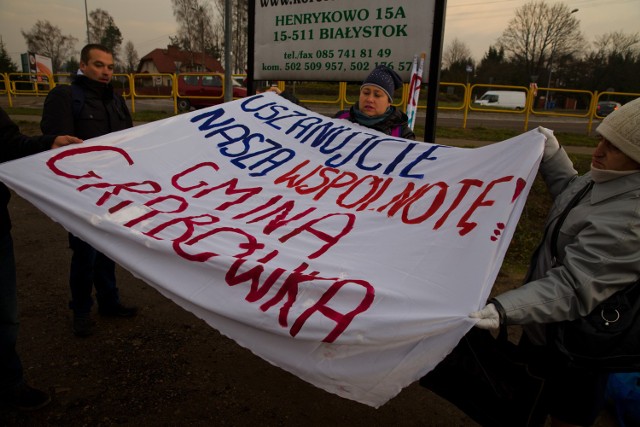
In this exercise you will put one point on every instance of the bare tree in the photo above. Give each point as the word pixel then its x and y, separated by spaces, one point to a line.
pixel 196 28
pixel 456 52
pixel 103 30
pixel 612 64
pixel 47 40
pixel 130 57
pixel 540 36
pixel 239 32
pixel 618 43
pixel 201 29
pixel 184 12
pixel 241 35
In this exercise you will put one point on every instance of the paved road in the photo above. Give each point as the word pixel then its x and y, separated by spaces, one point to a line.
pixel 445 118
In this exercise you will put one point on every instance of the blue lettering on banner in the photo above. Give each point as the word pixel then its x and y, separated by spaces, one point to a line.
pixel 249 149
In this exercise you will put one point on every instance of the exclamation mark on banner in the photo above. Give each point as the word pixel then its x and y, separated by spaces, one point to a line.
pixel 520 184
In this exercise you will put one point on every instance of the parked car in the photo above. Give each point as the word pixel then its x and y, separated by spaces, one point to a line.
pixel 204 90
pixel 513 99
pixel 605 108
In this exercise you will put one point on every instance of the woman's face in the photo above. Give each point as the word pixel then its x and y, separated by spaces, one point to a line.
pixel 608 157
pixel 373 101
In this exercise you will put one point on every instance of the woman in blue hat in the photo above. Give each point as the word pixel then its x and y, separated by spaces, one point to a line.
pixel 374 109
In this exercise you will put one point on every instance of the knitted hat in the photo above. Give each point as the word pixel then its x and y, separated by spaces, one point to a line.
pixel 384 78
pixel 622 129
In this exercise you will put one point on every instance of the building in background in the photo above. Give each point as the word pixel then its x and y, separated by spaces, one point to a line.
pixel 173 60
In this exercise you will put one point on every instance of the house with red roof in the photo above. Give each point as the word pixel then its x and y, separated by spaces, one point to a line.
pixel 172 60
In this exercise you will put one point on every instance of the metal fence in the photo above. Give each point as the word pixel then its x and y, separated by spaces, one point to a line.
pixel 539 101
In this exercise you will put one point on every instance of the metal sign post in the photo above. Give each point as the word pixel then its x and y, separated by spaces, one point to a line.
pixel 435 59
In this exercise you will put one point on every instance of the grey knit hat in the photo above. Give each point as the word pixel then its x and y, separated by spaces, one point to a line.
pixel 384 78
pixel 622 129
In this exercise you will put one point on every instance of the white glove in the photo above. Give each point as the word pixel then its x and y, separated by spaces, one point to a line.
pixel 551 145
pixel 489 317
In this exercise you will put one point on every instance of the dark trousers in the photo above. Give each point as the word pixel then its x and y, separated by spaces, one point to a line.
pixel 10 366
pixel 570 394
pixel 90 268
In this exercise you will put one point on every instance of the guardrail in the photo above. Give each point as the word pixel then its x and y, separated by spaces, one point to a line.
pixel 453 96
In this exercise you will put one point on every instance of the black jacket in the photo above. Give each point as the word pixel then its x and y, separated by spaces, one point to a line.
pixel 101 112
pixel 397 118
pixel 14 145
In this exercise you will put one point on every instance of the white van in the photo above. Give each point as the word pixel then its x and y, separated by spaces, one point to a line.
pixel 503 98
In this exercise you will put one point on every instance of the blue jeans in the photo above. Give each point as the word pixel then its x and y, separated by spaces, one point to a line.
pixel 10 366
pixel 90 268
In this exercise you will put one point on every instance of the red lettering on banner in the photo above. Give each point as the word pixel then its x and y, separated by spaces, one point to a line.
pixel 189 223
pixel 256 291
pixel 343 180
pixel 464 224
pixel 193 236
pixel 399 200
pixel 466 184
pixel 181 207
pixel 289 290
pixel 371 188
pixel 331 239
pixel 280 219
pixel 145 187
pixel 376 190
pixel 437 202
pixel 231 186
pixel 342 320
pixel 231 189
pixel 175 180
pixel 303 188
pixel 292 178
pixel 52 163
pixel 249 246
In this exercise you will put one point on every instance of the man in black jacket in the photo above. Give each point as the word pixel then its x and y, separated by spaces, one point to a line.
pixel 88 109
pixel 13 388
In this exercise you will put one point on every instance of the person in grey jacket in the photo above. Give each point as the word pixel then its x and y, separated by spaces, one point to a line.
pixel 598 254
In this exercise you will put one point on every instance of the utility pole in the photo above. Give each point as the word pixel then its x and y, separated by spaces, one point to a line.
pixel 86 16
pixel 228 86
pixel 204 67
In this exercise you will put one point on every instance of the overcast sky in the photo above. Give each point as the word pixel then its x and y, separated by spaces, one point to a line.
pixel 149 23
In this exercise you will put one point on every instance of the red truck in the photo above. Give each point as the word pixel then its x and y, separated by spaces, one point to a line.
pixel 204 90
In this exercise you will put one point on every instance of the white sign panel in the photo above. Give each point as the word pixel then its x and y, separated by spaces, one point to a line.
pixel 345 256
pixel 339 40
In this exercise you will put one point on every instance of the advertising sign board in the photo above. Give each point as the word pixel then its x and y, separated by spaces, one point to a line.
pixel 339 40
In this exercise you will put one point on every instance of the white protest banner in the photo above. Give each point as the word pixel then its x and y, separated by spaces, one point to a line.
pixel 345 256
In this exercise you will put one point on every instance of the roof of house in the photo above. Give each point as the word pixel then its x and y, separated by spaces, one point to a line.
pixel 165 59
